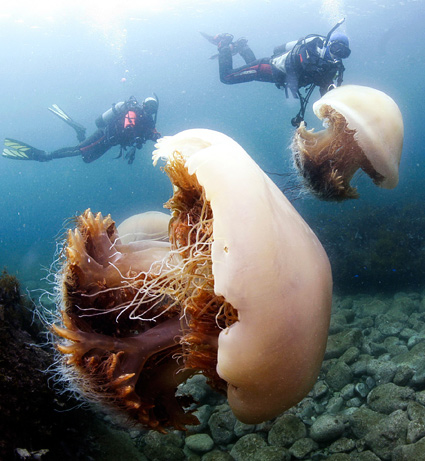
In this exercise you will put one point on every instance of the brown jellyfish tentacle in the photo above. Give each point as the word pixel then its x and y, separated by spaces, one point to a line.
pixel 191 235
pixel 328 159
pixel 126 356
pixel 109 351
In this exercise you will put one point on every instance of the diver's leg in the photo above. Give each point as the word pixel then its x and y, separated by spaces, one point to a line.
pixel 64 152
pixel 225 64
pixel 247 54
pixel 94 146
pixel 79 129
pixel 241 47
pixel 259 70
pixel 230 76
pixel 90 149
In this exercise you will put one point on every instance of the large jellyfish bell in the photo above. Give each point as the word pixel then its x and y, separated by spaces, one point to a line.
pixel 240 292
pixel 364 130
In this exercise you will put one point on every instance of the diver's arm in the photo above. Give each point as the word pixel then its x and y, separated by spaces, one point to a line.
pixel 325 88
pixel 154 135
pixel 340 75
pixel 330 84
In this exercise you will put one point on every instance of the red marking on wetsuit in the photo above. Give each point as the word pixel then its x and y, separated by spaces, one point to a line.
pixel 259 68
pixel 82 149
pixel 301 58
pixel 266 68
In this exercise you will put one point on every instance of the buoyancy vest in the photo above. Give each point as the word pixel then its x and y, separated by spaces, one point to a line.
pixel 304 64
pixel 130 119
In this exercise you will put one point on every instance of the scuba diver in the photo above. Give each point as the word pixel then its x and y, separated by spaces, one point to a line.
pixel 311 61
pixel 127 124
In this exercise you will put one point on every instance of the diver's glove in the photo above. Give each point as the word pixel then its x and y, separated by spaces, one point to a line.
pixel 297 120
pixel 131 154
pixel 138 143
pixel 156 136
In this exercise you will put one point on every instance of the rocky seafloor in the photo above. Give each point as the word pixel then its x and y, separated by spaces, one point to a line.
pixel 368 403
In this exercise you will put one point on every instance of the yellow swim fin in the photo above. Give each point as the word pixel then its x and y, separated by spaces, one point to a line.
pixel 18 150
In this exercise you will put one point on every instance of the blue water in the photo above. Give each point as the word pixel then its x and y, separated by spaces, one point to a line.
pixel 76 57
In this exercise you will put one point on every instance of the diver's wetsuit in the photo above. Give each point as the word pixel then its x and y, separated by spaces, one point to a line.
pixel 112 134
pixel 255 69
pixel 127 124
pixel 90 149
pixel 294 66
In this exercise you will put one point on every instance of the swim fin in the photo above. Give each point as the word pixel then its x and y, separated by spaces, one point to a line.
pixel 18 150
pixel 218 39
pixel 79 129
pixel 211 38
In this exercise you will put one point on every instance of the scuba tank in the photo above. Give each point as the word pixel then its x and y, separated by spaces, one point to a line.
pixel 110 114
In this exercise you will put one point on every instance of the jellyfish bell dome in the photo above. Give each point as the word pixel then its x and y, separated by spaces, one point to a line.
pixel 150 225
pixel 364 130
pixel 377 121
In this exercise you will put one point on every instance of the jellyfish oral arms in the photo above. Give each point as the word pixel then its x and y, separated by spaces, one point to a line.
pixel 364 131
pixel 118 340
pixel 240 293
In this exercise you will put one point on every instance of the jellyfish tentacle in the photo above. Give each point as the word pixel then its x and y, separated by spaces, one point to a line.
pixel 100 291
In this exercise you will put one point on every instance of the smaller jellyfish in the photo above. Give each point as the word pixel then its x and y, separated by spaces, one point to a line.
pixel 151 225
pixel 364 130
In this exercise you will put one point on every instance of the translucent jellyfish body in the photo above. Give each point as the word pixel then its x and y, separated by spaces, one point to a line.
pixel 364 131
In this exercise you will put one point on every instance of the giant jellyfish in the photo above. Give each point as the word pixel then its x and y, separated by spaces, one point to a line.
pixel 240 292
pixel 364 131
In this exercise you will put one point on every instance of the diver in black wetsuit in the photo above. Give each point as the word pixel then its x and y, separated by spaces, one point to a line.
pixel 311 61
pixel 127 124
